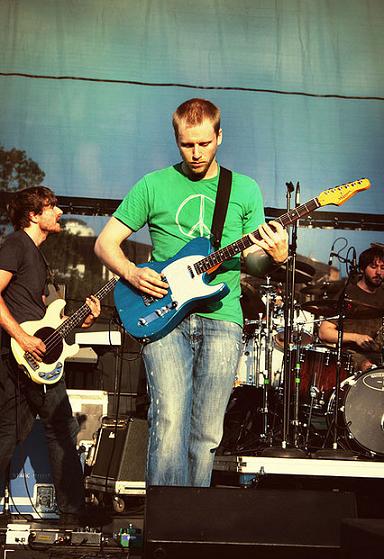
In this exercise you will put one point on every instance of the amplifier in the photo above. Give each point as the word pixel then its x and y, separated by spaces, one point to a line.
pixel 120 460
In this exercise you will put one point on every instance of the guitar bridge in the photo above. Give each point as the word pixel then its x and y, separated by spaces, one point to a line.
pixel 31 361
pixel 158 313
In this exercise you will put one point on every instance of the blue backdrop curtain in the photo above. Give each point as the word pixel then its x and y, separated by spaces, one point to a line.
pixel 88 87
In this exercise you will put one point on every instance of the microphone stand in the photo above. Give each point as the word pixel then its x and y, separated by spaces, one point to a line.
pixel 294 343
pixel 336 453
pixel 267 374
pixel 284 451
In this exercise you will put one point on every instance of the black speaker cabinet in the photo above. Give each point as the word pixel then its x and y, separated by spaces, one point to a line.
pixel 186 522
pixel 121 450
pixel 362 537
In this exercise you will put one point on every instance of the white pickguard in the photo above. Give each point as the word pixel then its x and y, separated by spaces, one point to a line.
pixel 53 320
pixel 183 286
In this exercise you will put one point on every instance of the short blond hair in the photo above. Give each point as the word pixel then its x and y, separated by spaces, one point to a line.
pixel 194 111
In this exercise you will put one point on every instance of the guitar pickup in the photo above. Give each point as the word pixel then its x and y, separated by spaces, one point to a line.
pixel 158 313
pixel 148 300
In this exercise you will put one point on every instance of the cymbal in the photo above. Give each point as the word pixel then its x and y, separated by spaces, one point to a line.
pixel 325 287
pixel 301 276
pixel 353 309
pixel 258 283
pixel 321 268
pixel 321 307
pixel 250 301
pixel 304 272
pixel 357 310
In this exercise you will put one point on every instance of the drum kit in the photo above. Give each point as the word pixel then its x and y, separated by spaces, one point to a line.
pixel 253 420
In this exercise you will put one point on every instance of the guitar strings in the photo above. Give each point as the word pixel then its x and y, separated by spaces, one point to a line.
pixel 57 335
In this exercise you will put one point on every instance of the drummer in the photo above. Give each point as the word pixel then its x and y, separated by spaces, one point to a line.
pixel 363 328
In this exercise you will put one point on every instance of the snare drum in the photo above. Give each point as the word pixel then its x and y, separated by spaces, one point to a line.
pixel 304 337
pixel 302 331
pixel 362 411
pixel 318 374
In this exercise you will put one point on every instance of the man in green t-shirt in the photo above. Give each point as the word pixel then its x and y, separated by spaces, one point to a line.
pixel 190 371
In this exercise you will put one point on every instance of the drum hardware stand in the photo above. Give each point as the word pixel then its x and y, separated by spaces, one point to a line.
pixel 284 451
pixel 258 351
pixel 253 377
pixel 267 372
pixel 315 394
pixel 335 452
pixel 296 395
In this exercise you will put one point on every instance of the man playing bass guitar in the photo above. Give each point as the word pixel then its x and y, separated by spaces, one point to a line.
pixel 23 286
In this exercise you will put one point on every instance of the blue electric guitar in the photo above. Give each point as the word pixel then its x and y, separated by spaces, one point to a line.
pixel 53 329
pixel 148 319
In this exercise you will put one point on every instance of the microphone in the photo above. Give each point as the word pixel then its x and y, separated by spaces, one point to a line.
pixel 297 194
pixel 290 187
pixel 331 255
pixel 354 260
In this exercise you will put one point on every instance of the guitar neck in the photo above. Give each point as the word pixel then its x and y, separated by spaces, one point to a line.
pixel 226 253
pixel 78 316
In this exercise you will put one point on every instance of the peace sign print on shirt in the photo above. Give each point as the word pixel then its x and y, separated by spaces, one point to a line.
pixel 198 206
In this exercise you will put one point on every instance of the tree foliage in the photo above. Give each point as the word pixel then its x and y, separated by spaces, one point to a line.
pixel 18 171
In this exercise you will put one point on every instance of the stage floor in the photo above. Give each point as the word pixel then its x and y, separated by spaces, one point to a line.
pixel 264 465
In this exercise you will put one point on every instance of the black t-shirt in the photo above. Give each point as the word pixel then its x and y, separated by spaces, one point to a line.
pixel 372 326
pixel 23 295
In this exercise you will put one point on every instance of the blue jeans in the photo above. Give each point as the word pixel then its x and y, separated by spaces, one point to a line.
pixel 190 374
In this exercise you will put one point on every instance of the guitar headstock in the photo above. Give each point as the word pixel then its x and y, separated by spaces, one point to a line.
pixel 340 194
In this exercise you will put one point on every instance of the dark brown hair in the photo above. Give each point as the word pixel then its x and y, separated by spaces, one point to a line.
pixel 369 256
pixel 194 111
pixel 28 200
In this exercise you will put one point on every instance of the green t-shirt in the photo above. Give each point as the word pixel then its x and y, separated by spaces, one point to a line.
pixel 178 210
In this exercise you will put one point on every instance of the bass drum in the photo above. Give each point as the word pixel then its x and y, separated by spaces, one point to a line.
pixel 362 410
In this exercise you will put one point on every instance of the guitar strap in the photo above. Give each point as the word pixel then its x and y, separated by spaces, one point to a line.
pixel 221 206
pixel 51 277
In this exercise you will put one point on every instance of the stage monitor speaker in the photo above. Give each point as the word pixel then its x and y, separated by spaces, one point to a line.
pixel 236 522
pixel 121 450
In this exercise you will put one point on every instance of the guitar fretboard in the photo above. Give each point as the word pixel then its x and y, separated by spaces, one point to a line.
pixel 228 252
pixel 78 317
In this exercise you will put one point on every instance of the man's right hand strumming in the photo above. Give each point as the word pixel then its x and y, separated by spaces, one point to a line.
pixel 147 280
pixel 33 345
